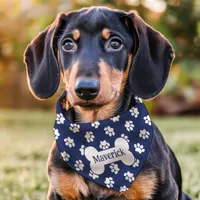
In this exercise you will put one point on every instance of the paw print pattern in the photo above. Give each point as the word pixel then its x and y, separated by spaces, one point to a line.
pixel 136 163
pixel 82 150
pixel 144 134
pixel 125 137
pixel 93 175
pixel 69 142
pixel 115 119
pixel 104 145
pixel 56 133
pixel 109 182
pixel 138 99
pixel 129 176
pixel 60 118
pixel 134 112
pixel 95 124
pixel 147 120
pixel 114 168
pixel 74 128
pixel 89 136
pixel 129 125
pixel 65 156
pixel 123 189
pixel 139 148
pixel 79 165
pixel 109 131
pixel 130 131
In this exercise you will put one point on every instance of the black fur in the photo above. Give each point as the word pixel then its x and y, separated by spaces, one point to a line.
pixel 41 62
pixel 151 64
pixel 152 58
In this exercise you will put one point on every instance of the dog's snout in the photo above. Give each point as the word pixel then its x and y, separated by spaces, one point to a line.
pixel 87 88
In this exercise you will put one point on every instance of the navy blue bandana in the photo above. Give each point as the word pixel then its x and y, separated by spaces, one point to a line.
pixel 109 152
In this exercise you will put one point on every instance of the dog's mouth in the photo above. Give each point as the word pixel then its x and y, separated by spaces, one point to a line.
pixel 90 106
pixel 94 104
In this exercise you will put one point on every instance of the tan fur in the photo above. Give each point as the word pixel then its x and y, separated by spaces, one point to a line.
pixel 110 77
pixel 76 34
pixel 69 79
pixel 125 74
pixel 143 187
pixel 96 114
pixel 106 33
pixel 69 186
pixel 110 84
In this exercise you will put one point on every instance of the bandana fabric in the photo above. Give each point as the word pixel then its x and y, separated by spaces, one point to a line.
pixel 109 152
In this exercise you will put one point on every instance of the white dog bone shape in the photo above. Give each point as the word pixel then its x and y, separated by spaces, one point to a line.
pixel 98 160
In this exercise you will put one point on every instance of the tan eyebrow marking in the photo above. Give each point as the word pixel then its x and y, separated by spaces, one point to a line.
pixel 76 34
pixel 106 33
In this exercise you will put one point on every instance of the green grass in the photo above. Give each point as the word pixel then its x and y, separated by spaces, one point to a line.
pixel 26 139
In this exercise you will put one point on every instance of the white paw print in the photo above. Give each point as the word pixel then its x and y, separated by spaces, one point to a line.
pixel 129 125
pixel 109 182
pixel 114 168
pixel 89 136
pixel 125 137
pixel 139 148
pixel 60 118
pixel 65 156
pixel 138 99
pixel 74 128
pixel 134 112
pixel 109 131
pixel 95 124
pixel 104 145
pixel 79 165
pixel 56 133
pixel 123 189
pixel 144 134
pixel 93 175
pixel 69 142
pixel 147 120
pixel 129 176
pixel 115 119
pixel 82 150
pixel 136 163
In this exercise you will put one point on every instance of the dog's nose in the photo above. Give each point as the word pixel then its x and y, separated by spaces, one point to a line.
pixel 87 88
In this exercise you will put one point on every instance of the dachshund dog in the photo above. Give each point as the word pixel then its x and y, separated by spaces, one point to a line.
pixel 105 57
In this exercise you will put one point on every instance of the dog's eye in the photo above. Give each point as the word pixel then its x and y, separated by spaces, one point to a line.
pixel 68 45
pixel 114 44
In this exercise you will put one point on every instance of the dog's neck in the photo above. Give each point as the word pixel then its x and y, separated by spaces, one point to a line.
pixel 87 115
pixel 116 107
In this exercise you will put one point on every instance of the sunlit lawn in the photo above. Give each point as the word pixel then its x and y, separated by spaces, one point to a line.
pixel 26 138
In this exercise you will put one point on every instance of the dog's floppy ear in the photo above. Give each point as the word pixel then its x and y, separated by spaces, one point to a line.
pixel 43 72
pixel 151 63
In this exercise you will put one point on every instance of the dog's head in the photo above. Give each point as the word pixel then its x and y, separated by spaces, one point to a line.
pixel 98 51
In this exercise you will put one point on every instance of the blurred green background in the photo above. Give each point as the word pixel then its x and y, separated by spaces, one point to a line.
pixel 178 20
pixel 26 124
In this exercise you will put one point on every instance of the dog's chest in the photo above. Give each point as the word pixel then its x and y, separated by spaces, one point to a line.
pixel 108 152
pixel 73 186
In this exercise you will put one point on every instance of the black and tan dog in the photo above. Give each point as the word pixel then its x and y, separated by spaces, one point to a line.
pixel 104 57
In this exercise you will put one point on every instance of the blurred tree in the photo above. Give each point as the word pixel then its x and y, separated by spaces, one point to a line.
pixel 178 20
pixel 182 20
